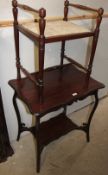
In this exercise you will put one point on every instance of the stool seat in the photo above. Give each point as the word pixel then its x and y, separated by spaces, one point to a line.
pixel 56 28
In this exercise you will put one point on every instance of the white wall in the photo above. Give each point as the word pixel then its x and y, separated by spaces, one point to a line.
pixel 7 55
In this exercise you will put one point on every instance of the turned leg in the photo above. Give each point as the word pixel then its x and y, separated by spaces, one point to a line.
pixel 62 53
pixel 42 24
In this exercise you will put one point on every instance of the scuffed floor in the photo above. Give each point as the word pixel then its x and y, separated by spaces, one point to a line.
pixel 69 155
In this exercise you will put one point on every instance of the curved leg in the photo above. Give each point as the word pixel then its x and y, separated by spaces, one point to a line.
pixel 18 116
pixel 87 125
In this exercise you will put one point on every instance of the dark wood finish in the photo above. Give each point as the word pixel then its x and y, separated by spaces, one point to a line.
pixel 29 75
pixel 38 146
pixel 16 36
pixel 56 87
pixel 42 23
pixel 75 63
pixel 25 7
pixel 5 147
pixel 42 40
pixel 87 125
pixel 95 40
pixel 51 129
pixel 62 52
pixel 82 7
pixel 55 80
pixel 66 4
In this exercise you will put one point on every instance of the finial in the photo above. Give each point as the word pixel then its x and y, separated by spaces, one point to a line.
pixel 14 3
pixel 42 12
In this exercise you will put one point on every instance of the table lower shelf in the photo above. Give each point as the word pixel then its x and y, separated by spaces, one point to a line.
pixel 54 128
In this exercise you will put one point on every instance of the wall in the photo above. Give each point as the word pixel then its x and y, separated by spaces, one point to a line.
pixel 7 58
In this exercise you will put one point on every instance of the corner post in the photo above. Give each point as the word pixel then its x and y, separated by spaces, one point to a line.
pixel 16 36
pixel 66 5
pixel 95 40
pixel 42 23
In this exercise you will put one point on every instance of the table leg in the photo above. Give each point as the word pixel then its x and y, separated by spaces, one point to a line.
pixel 17 115
pixel 86 126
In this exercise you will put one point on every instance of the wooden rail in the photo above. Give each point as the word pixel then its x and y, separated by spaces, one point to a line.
pixel 75 63
pixel 82 7
pixel 25 72
pixel 8 23
pixel 25 7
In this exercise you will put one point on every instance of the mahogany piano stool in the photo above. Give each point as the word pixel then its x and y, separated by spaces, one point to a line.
pixel 56 87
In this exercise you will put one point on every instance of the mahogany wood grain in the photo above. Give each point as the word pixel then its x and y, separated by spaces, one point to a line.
pixel 42 24
pixel 66 4
pixel 58 88
pixel 16 36
pixel 52 130
pixel 82 7
pixel 29 75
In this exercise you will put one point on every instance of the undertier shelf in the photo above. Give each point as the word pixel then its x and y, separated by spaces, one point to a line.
pixel 55 128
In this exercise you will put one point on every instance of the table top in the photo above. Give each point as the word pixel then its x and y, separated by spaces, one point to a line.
pixel 61 87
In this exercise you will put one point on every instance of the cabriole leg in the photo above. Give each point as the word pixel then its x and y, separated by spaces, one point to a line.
pixel 87 125
pixel 18 116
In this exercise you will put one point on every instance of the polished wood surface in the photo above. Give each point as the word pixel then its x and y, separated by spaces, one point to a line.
pixel 56 87
pixel 52 130
pixel 27 8
pixel 42 39
pixel 82 7
pixel 59 88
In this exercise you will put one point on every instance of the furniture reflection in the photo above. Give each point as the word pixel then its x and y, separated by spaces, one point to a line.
pixel 56 87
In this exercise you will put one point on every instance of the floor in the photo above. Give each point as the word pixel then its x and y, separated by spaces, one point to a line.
pixel 69 155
